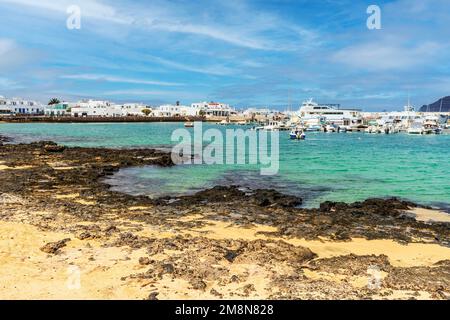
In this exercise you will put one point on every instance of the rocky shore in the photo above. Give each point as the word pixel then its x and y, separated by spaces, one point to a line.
pixel 59 223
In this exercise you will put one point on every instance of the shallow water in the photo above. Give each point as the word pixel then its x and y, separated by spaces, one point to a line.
pixel 337 167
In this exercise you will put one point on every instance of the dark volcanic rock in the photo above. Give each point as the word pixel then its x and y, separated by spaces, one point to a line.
pixel 270 197
pixel 229 194
pixel 53 247
pixel 54 148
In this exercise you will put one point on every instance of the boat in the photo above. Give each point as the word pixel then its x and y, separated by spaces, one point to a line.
pixel 416 128
pixel 431 125
pixel 224 123
pixel 331 128
pixel 189 124
pixel 273 126
pixel 297 134
pixel 314 128
pixel 311 110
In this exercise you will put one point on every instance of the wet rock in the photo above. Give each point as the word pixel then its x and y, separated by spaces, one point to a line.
pixel 231 255
pixel 270 197
pixel 54 247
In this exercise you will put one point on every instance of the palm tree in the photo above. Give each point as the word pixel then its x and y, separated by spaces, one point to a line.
pixel 53 101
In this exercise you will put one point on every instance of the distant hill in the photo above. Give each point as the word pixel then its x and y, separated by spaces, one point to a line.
pixel 442 105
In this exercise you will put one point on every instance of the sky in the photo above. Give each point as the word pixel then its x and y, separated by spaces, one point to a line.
pixel 247 53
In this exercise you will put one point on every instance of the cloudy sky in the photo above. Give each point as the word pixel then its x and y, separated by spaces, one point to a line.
pixel 243 52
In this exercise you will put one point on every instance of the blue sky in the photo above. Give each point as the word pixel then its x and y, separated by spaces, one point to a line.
pixel 242 52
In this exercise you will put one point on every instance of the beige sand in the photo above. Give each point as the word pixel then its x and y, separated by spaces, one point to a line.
pixel 32 274
pixel 3 167
pixel 416 254
pixel 427 215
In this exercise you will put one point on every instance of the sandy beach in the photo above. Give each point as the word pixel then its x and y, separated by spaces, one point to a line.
pixel 65 235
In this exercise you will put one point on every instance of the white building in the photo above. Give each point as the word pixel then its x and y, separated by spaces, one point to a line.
pixel 92 108
pixel 213 109
pixel 177 110
pixel 134 109
pixel 100 108
pixel 16 106
pixel 58 110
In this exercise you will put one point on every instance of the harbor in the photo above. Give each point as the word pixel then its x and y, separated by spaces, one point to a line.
pixel 230 158
pixel 310 116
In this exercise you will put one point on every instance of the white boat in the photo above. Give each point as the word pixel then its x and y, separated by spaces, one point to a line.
pixel 189 124
pixel 274 126
pixel 416 128
pixel 331 128
pixel 329 113
pixel 431 125
pixel 314 128
pixel 297 134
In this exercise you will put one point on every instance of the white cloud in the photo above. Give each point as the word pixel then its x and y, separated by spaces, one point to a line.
pixel 7 84
pixel 106 78
pixel 384 56
pixel 160 16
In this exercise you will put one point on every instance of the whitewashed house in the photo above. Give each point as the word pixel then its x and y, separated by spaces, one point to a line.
pixel 20 106
pixel 213 109
pixel 58 110
pixel 93 108
pixel 134 109
pixel 177 110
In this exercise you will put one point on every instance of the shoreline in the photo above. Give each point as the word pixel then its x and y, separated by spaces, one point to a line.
pixel 203 246
pixel 135 119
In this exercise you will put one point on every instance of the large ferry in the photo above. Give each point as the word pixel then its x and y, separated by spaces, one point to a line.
pixel 311 111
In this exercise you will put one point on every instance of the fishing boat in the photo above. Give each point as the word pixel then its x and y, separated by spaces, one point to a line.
pixel 189 124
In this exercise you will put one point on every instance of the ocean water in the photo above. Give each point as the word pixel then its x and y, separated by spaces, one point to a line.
pixel 326 166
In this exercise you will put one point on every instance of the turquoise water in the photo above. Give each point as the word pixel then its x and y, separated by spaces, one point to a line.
pixel 337 167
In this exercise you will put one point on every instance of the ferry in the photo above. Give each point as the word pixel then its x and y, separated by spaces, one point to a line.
pixel 311 110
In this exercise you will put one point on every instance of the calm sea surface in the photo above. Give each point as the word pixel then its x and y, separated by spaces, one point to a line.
pixel 327 166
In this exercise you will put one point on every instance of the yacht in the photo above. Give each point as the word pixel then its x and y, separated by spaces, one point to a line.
pixel 416 128
pixel 431 125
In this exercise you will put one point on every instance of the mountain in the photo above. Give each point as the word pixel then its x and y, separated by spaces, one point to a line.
pixel 442 105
